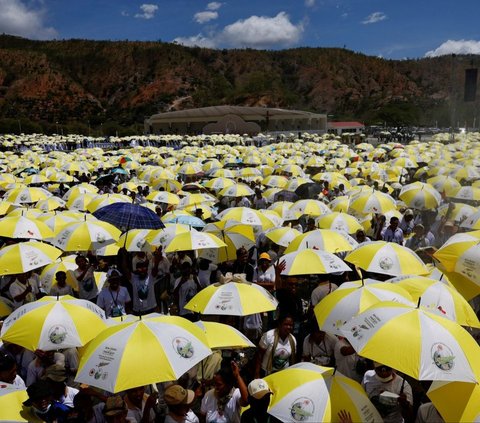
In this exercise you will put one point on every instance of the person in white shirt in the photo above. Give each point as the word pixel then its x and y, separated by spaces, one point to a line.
pixel 61 287
pixel 113 298
pixel 383 379
pixel 205 270
pixel 323 288
pixel 179 400
pixel 84 277
pixel 8 371
pixel 56 374
pixel 23 290
pixel 347 360
pixel 319 347
pixel 184 289
pixel 140 405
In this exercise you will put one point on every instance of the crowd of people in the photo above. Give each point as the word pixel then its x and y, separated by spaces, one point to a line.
pixel 143 282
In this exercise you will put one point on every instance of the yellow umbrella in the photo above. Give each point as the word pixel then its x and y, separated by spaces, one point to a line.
pixel 339 221
pixel 420 196
pixel 237 190
pixel 111 361
pixel 312 262
pixel 306 392
pixel 232 299
pixel 53 323
pixel 26 195
pixel 433 347
pixel 86 236
pixel 163 197
pixel 372 201
pixel 439 297
pixel 221 336
pixel 387 258
pixel 12 409
pixel 47 276
pixel 24 228
pixel 135 240
pixel 50 204
pixel 6 307
pixel 282 236
pixel 247 216
pixel 322 239
pixel 80 202
pixel 194 240
pixel 310 207
pixel 25 256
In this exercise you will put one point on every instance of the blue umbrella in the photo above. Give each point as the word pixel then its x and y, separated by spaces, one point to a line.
pixel 120 171
pixel 193 221
pixel 126 216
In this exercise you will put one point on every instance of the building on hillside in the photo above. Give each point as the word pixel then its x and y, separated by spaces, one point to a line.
pixel 339 128
pixel 235 120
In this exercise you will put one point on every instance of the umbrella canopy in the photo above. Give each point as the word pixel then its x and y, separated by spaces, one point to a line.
pixel 322 239
pixel 26 256
pixel 47 276
pixel 372 201
pixel 135 240
pixel 194 240
pixel 310 207
pixel 112 361
pixel 387 258
pixel 312 262
pixel 221 336
pixel 127 216
pixel 26 195
pixel 232 299
pixel 24 228
pixel 342 222
pixel 86 236
pixel 432 347
pixel 420 196
pixel 351 298
pixel 246 216
pixel 54 323
pixel 282 236
pixel 11 405
pixel 309 393
pixel 237 190
pixel 439 297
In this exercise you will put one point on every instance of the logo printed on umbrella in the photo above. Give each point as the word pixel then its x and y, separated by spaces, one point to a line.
pixel 385 263
pixel 100 238
pixel 57 334
pixel 443 356
pixel 302 408
pixel 183 347
pixel 140 243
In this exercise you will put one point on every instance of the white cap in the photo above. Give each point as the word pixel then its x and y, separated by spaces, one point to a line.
pixel 258 388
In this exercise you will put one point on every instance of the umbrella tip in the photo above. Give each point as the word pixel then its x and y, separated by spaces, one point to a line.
pixel 419 301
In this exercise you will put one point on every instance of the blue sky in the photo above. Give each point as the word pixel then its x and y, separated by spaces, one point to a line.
pixel 393 29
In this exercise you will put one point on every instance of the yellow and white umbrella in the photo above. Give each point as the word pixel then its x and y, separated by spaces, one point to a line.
pixel 232 299
pixel 221 336
pixel 26 256
pixel 247 216
pixel 460 213
pixel 387 258
pixel 312 262
pixel 310 207
pixel 309 393
pixel 135 240
pixel 282 236
pixel 444 183
pixel 194 240
pixel 163 237
pixel 323 239
pixel 432 347
pixel 237 190
pixel 351 298
pixel 99 201
pixel 12 409
pixel 21 227
pixel 194 199
pixel 47 276
pixel 163 197
pixel 467 193
pixel 53 323
pixel 80 202
pixel 26 195
pixel 50 204
pixel 372 201
pixel 112 362
pixel 337 221
pixel 420 196
pixel 439 297
pixel 86 236
pixel 57 220
pixel 219 183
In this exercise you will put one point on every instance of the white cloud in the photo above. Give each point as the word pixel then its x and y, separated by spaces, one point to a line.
pixel 262 32
pixel 206 16
pixel 148 11
pixel 124 13
pixel 309 3
pixel 374 18
pixel 196 41
pixel 455 47
pixel 214 5
pixel 17 18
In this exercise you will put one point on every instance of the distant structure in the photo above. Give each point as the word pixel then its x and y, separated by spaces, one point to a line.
pixel 339 128
pixel 235 120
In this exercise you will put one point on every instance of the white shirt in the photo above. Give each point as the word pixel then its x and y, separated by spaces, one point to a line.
pixel 147 285
pixel 87 287
pixel 204 275
pixel 321 291
pixel 18 288
pixel 374 387
pixel 281 356
pixel 321 353
pixel 19 383
pixel 346 363
pixel 231 413
pixel 185 293
pixel 264 277
pixel 189 418
pixel 57 290
pixel 113 302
